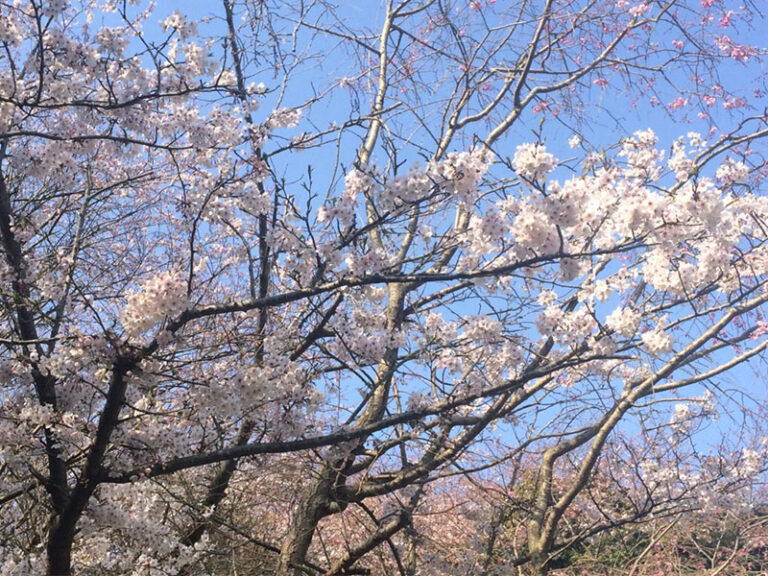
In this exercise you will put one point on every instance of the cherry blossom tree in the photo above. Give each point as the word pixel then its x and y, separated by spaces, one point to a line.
pixel 271 277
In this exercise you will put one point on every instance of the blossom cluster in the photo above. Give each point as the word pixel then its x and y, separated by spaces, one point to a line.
pixel 643 158
pixel 459 173
pixel 356 182
pixel 162 296
pixel 732 172
pixel 179 22
pixel 533 162
pixel 625 321
pixel 658 340
pixel 284 118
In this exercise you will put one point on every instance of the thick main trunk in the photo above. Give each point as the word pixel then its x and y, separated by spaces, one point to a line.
pixel 60 548
pixel 318 500
pixel 537 547
pixel 312 508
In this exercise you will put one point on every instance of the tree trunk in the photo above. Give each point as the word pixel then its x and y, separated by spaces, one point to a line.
pixel 312 508
pixel 59 549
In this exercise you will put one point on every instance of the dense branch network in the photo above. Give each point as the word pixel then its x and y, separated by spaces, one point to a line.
pixel 284 292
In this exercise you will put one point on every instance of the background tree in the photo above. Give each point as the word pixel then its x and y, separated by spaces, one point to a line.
pixel 327 310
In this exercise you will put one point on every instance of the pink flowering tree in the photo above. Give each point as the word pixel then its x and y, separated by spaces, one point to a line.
pixel 269 276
